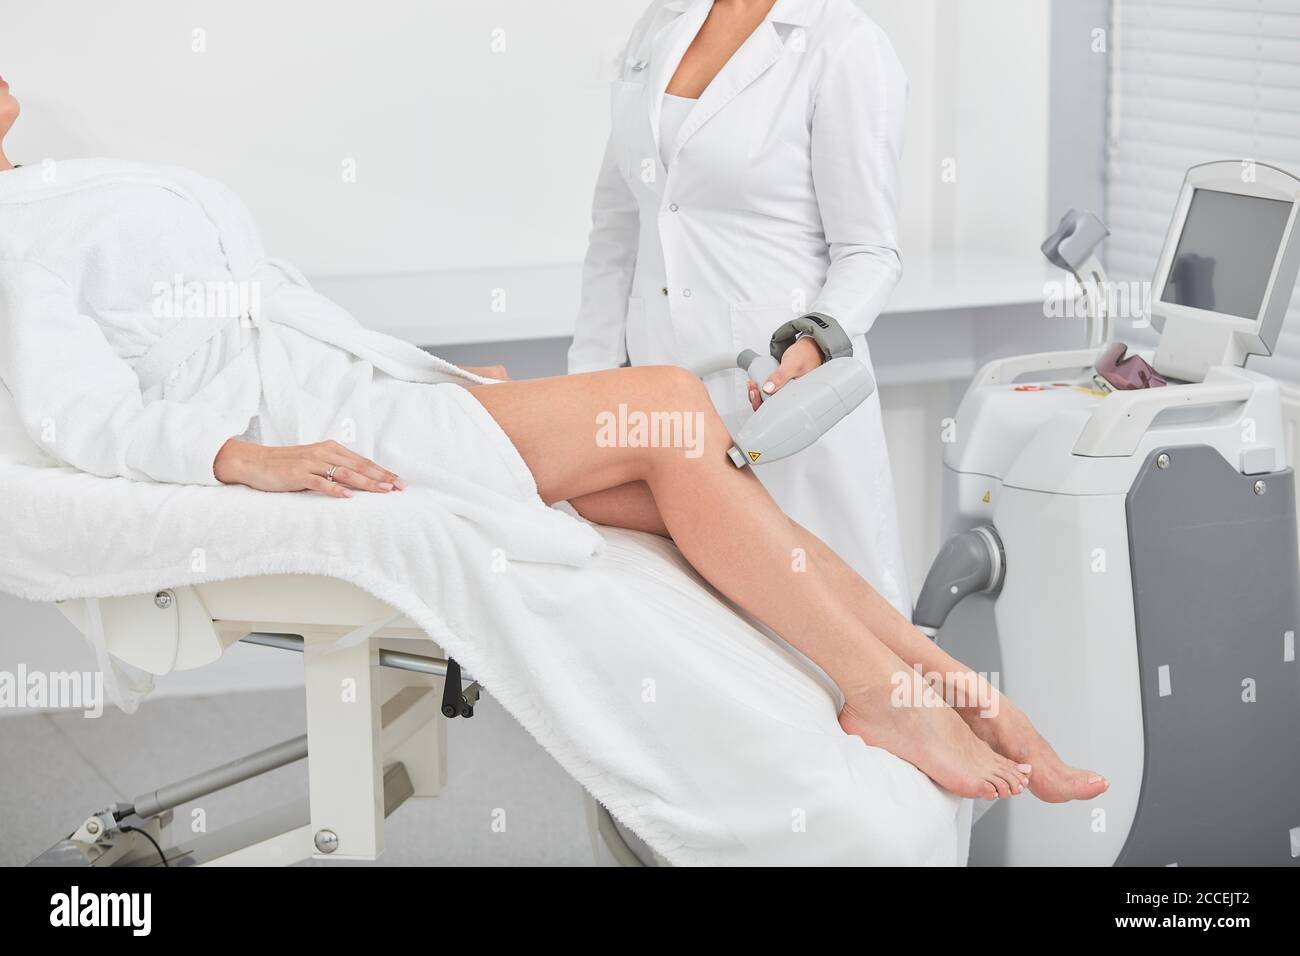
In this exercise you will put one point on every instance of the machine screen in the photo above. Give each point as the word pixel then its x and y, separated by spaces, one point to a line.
pixel 1226 253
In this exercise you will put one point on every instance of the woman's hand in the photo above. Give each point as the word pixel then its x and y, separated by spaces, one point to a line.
pixel 488 371
pixel 799 359
pixel 301 468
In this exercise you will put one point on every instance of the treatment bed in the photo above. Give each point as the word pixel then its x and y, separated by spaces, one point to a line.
pixel 378 694
pixel 371 749
pixel 752 733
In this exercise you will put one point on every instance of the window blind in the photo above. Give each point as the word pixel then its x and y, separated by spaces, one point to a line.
pixel 1193 81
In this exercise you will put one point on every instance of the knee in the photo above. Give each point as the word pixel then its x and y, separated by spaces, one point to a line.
pixel 670 388
pixel 682 399
pixel 680 391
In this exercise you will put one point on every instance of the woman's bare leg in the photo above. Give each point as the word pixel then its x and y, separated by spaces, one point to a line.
pixel 731 531
pixel 993 718
pixel 627 506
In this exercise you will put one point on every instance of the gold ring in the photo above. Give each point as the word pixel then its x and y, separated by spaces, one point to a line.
pixel 329 475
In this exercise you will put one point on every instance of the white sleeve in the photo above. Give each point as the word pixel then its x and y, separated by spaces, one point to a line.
pixel 857 142
pixel 81 402
pixel 598 335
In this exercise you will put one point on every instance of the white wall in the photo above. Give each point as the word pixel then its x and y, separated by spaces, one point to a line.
pixel 992 92
pixel 468 158
pixel 1080 79
pixel 465 157
pixel 980 76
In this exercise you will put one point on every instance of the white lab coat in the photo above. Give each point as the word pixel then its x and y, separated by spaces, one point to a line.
pixel 779 198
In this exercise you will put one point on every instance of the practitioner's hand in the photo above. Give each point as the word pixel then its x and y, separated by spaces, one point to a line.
pixel 799 359
pixel 301 468
pixel 489 371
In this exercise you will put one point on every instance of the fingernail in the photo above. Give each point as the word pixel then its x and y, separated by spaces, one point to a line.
pixel 347 493
pixel 1093 779
pixel 385 486
pixel 399 484
pixel 769 388
pixel 1024 767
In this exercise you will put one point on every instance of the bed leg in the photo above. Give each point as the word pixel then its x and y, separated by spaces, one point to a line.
pixel 415 734
pixel 344 763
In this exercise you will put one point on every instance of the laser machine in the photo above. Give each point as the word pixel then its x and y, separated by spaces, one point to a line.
pixel 1124 562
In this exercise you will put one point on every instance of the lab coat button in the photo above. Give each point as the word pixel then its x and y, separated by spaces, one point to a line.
pixel 673 207
pixel 664 291
pixel 687 293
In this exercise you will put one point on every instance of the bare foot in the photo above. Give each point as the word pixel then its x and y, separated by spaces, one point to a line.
pixel 931 736
pixel 1011 734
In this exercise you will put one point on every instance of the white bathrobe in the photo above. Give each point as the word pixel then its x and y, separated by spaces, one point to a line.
pixel 736 758
pixel 116 372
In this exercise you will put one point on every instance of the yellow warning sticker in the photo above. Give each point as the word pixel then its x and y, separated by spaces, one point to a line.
pixel 755 455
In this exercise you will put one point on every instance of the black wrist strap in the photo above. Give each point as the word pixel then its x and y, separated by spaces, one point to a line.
pixel 825 331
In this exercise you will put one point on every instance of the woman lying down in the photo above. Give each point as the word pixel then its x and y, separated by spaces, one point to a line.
pixel 112 340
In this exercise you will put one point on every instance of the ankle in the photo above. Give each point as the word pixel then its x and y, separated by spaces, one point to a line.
pixel 901 690
pixel 967 692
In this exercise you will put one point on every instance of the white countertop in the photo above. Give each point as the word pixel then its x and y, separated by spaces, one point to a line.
pixel 433 309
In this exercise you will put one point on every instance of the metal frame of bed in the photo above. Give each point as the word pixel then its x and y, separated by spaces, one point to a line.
pixel 377 702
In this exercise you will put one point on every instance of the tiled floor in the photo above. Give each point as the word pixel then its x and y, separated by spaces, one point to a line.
pixel 56 768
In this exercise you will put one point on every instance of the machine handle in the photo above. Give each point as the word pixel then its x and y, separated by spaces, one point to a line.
pixel 1118 423
pixel 1007 370
pixel 759 368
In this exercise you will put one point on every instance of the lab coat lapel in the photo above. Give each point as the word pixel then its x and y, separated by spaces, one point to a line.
pixel 754 58
pixel 669 46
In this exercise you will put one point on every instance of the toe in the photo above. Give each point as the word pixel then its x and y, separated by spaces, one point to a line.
pixel 1089 785
pixel 1013 780
pixel 1068 783
pixel 1012 774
